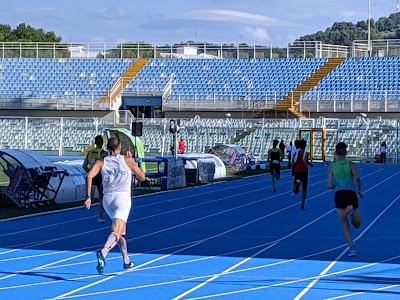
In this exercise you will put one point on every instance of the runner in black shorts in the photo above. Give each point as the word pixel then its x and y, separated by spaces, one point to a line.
pixel 293 155
pixel 343 176
pixel 275 156
pixel 300 168
pixel 94 155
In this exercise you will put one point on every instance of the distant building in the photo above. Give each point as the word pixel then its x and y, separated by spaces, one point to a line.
pixel 188 52
pixel 79 51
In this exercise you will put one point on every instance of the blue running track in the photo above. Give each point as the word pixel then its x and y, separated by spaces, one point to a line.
pixel 233 240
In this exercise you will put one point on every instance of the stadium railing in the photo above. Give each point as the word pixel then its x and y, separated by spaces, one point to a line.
pixel 93 50
pixel 298 49
pixel 72 136
pixel 332 101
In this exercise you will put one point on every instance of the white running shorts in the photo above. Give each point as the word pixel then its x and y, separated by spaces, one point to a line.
pixel 117 205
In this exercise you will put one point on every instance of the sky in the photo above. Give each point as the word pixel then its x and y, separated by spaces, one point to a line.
pixel 170 21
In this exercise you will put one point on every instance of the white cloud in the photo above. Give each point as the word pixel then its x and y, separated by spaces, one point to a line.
pixel 349 13
pixel 112 13
pixel 256 34
pixel 221 15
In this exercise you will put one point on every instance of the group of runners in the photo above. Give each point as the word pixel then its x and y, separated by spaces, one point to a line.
pixel 111 172
pixel 342 176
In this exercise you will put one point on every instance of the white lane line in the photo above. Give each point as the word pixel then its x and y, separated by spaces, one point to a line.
pixel 122 272
pixel 168 254
pixel 141 197
pixel 249 258
pixel 238 271
pixel 227 293
pixel 363 293
pixel 202 240
pixel 45 226
pixel 220 213
pixel 223 272
pixel 207 192
pixel 294 281
pixel 70 221
pixel 333 263
pixel 68 295
pixel 113 258
pixel 34 244
pixel 134 269
pixel 205 203
pixel 32 256
pixel 195 244
pixel 30 245
pixel 180 250
pixel 43 266
pixel 186 262
pixel 45 283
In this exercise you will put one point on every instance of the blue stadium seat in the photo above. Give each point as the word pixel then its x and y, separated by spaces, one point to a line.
pixel 55 78
pixel 360 78
pixel 255 79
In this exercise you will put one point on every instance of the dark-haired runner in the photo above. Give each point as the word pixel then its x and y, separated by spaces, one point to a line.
pixel 275 156
pixel 300 169
pixel 95 154
pixel 116 171
pixel 295 151
pixel 343 176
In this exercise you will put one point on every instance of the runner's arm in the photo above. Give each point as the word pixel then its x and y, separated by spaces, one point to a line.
pixel 308 162
pixel 357 178
pixel 133 165
pixel 92 173
pixel 85 164
pixel 331 186
pixel 281 154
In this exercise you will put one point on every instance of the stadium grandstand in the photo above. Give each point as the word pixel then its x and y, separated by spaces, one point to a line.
pixel 57 104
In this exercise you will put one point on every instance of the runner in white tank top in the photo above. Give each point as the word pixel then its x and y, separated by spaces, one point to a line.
pixel 117 182
pixel 116 171
pixel 117 176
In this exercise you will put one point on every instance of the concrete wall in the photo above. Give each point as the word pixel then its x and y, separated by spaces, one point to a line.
pixel 271 115
pixel 53 113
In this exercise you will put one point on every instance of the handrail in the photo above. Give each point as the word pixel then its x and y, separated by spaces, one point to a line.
pixel 309 111
pixel 115 90
pixel 167 91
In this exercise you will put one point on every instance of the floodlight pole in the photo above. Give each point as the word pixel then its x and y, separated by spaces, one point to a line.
pixel 369 29
pixel 230 133
pixel 367 123
pixel 175 145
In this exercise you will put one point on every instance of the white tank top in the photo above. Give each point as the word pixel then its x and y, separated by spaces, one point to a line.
pixel 117 176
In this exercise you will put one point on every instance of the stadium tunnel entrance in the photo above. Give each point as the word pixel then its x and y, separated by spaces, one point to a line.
pixel 317 141
pixel 143 106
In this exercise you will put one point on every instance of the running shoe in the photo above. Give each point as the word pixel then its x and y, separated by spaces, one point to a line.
pixel 101 262
pixel 351 253
pixel 129 266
